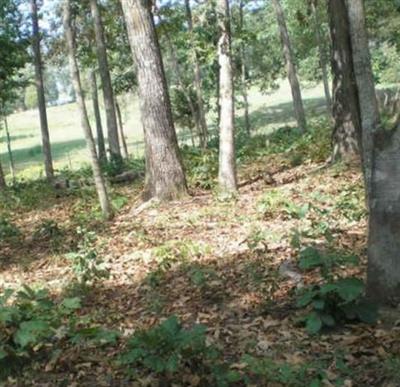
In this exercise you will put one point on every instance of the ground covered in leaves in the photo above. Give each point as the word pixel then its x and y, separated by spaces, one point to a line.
pixel 229 264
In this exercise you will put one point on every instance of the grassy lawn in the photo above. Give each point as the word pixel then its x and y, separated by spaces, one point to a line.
pixel 268 111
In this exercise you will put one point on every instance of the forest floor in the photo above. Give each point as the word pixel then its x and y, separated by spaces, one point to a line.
pixel 230 264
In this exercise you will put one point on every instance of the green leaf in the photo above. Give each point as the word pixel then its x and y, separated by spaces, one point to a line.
pixel 306 298
pixel 349 289
pixel 71 303
pixel 3 353
pixel 30 332
pixel 310 258
pixel 313 323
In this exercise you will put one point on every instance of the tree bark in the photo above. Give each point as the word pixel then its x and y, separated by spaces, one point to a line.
pixel 121 130
pixel 10 154
pixel 108 95
pixel 227 161
pixel 369 111
pixel 381 162
pixel 244 73
pixel 165 178
pixel 99 127
pixel 346 137
pixel 197 82
pixel 48 161
pixel 291 67
pixel 322 57
pixel 90 143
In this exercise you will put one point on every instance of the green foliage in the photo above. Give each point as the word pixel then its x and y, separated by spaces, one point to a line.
pixel 351 203
pixel 276 201
pixel 29 320
pixel 300 146
pixel 334 302
pixel 169 349
pixel 256 238
pixel 86 264
pixel 311 258
pixel 8 231
pixel 266 369
pixel 202 167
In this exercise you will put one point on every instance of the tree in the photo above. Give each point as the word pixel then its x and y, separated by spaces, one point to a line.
pixel 346 136
pixel 9 150
pixel 98 177
pixel 99 127
pixel 227 162
pixel 3 184
pixel 48 162
pixel 322 57
pixel 244 70
pixel 201 117
pixel 165 178
pixel 121 129
pixel 106 85
pixel 291 67
pixel 381 160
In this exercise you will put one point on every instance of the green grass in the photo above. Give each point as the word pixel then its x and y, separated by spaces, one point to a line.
pixel 268 112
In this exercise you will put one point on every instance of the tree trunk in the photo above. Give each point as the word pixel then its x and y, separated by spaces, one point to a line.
pixel 322 58
pixel 369 111
pixel 48 162
pixel 10 155
pixel 99 127
pixel 227 161
pixel 244 73
pixel 121 130
pixel 197 81
pixel 108 95
pixel 381 161
pixel 90 143
pixel 3 185
pixel 291 67
pixel 346 135
pixel 165 178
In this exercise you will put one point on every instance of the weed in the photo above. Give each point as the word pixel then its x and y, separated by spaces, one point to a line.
pixel 8 231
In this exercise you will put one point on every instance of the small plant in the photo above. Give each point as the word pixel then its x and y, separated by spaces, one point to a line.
pixel 29 320
pixel 8 231
pixel 351 203
pixel 256 239
pixel 275 201
pixel 86 264
pixel 334 302
pixel 167 347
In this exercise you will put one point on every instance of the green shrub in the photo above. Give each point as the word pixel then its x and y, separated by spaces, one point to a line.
pixel 202 167
pixel 27 324
pixel 86 264
pixel 8 231
pixel 169 349
pixel 334 302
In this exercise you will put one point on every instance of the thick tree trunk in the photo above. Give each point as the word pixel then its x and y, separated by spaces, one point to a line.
pixel 369 111
pixel 201 116
pixel 346 136
pixel 244 73
pixel 108 95
pixel 291 67
pixel 227 161
pixel 90 143
pixel 48 162
pixel 99 127
pixel 165 178
pixel 9 150
pixel 322 57
pixel 381 162
pixel 121 130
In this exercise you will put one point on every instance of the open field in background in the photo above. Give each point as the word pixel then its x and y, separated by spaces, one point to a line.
pixel 268 111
